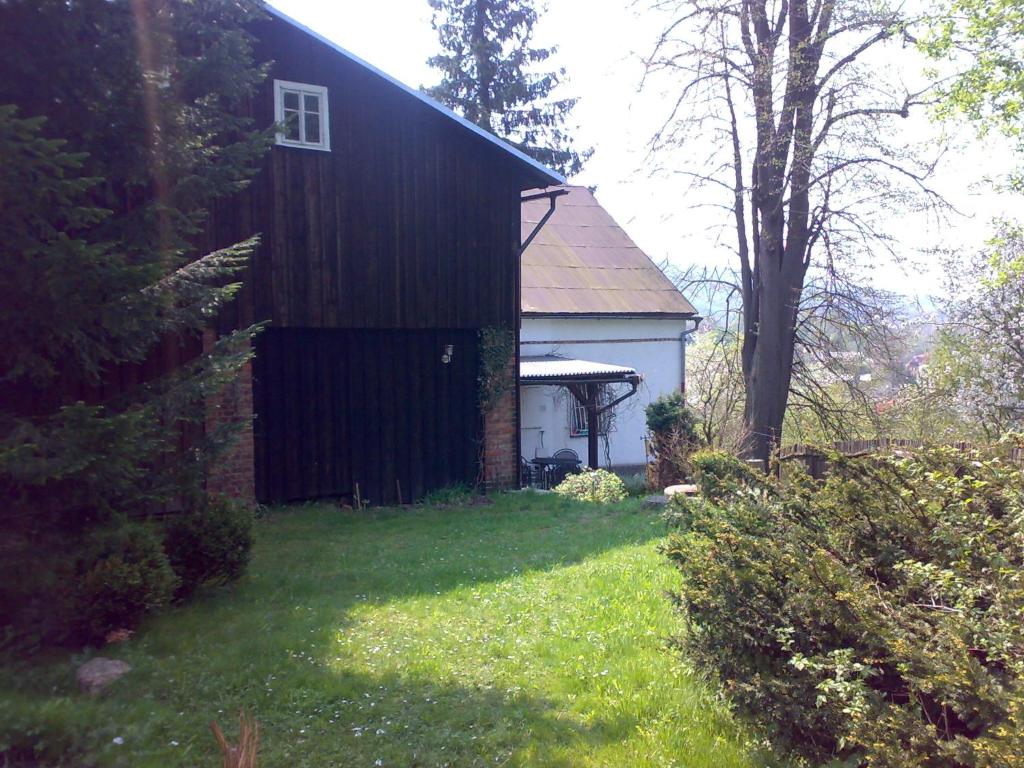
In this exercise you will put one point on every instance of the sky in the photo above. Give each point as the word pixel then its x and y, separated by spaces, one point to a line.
pixel 600 43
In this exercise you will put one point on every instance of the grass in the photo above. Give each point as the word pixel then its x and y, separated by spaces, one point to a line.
pixel 530 632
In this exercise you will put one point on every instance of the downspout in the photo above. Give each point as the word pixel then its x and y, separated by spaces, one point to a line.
pixel 686 334
pixel 555 193
pixel 551 196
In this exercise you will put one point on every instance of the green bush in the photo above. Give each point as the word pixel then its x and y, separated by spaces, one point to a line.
pixel 876 617
pixel 209 544
pixel 452 495
pixel 598 485
pixel 123 575
pixel 668 414
pixel 719 474
pixel 673 431
pixel 636 485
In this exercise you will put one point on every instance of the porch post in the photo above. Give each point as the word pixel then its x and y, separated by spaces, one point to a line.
pixel 593 422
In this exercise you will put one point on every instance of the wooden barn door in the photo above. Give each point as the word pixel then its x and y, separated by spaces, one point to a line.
pixel 373 407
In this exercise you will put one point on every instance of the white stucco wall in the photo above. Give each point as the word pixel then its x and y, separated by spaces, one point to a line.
pixel 651 346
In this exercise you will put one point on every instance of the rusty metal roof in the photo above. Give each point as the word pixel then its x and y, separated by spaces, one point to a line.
pixel 541 368
pixel 583 263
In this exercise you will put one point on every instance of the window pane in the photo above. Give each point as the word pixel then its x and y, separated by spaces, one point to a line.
pixel 312 128
pixel 291 99
pixel 311 102
pixel 291 125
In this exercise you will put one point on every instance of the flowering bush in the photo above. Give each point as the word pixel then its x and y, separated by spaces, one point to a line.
pixel 873 618
pixel 979 362
pixel 598 485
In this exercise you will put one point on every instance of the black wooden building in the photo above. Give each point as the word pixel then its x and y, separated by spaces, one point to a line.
pixel 390 234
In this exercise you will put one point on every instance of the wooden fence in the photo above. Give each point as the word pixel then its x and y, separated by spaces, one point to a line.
pixel 815 460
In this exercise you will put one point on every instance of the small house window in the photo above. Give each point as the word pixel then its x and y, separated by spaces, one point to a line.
pixel 301 114
pixel 578 415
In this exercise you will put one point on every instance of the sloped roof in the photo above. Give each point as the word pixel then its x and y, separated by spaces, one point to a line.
pixel 542 367
pixel 546 174
pixel 583 263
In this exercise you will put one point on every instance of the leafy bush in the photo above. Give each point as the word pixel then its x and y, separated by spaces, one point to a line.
pixel 598 485
pixel 669 413
pixel 875 617
pixel 636 485
pixel 123 576
pixel 210 544
pixel 449 496
pixel 673 429
pixel 719 474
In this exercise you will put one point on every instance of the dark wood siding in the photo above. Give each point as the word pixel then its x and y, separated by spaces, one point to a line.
pixel 410 221
pixel 403 237
pixel 340 407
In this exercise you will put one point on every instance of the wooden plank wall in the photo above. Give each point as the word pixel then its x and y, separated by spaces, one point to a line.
pixel 410 221
pixel 339 407
pixel 402 238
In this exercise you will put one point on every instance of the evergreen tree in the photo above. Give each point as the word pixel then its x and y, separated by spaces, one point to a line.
pixel 121 122
pixel 487 75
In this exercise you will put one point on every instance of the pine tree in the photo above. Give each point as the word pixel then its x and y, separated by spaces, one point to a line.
pixel 121 123
pixel 487 75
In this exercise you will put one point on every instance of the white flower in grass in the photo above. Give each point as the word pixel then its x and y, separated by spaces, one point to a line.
pixel 118 740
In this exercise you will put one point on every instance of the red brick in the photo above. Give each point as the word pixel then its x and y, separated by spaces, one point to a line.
pixel 501 462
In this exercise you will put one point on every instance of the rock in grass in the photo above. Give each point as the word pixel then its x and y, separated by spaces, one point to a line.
pixel 96 674
pixel 656 501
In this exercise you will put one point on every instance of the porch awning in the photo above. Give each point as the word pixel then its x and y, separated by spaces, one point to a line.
pixel 552 369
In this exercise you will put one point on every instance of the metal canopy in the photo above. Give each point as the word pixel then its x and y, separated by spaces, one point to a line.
pixel 553 369
pixel 583 379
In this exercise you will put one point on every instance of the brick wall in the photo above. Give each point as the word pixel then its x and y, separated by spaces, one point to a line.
pixel 234 473
pixel 501 454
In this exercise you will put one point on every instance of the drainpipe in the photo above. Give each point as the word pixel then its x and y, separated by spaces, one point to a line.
pixel 687 333
pixel 551 196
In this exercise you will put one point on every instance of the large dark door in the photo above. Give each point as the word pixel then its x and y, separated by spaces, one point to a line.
pixel 375 407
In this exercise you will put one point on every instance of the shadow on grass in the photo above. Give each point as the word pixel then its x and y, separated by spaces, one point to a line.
pixel 267 644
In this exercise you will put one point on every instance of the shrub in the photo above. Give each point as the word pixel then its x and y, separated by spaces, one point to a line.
pixel 669 413
pixel 209 544
pixel 719 474
pixel 636 485
pixel 452 495
pixel 598 485
pixel 875 617
pixel 673 429
pixel 123 576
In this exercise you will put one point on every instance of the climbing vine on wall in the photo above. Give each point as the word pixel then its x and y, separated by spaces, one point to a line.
pixel 497 348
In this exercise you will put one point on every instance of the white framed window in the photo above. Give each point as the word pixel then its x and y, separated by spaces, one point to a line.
pixel 578 414
pixel 301 113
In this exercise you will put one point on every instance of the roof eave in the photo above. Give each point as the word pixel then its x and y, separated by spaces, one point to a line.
pixel 537 171
pixel 617 315
pixel 590 378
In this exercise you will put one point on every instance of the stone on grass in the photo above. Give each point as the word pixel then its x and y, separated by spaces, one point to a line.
pixel 96 674
pixel 655 501
pixel 685 489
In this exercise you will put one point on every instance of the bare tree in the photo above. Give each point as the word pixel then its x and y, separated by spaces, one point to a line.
pixel 844 330
pixel 793 96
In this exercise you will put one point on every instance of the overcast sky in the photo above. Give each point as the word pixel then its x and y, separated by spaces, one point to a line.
pixel 600 43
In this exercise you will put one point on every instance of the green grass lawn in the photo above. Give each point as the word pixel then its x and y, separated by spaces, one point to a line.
pixel 527 632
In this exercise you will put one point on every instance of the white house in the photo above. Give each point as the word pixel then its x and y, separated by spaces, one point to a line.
pixel 594 308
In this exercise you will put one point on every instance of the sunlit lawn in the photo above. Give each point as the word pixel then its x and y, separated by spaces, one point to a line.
pixel 527 632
